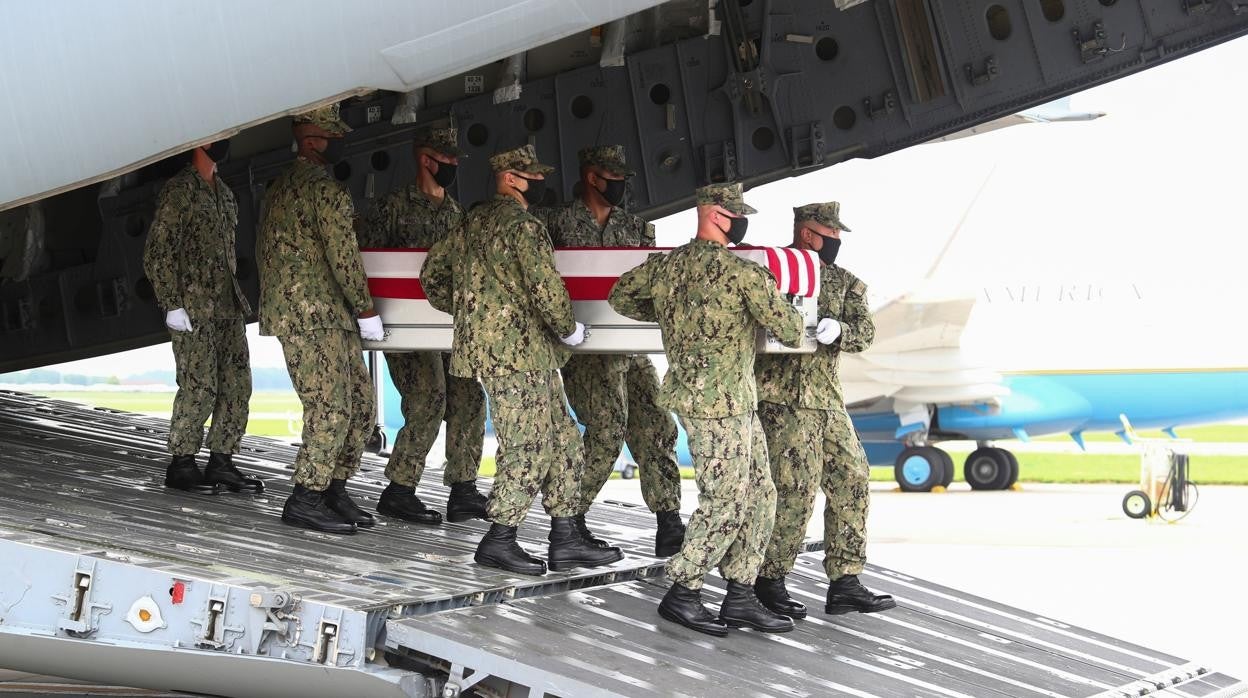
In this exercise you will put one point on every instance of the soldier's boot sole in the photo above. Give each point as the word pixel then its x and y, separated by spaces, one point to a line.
pixel 762 628
pixel 343 528
pixel 596 561
pixel 460 516
pixel 795 612
pixel 236 485
pixel 532 570
pixel 428 517
pixel 843 608
pixel 708 628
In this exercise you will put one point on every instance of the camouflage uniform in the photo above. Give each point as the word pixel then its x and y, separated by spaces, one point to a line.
pixel 190 260
pixel 613 395
pixel 312 288
pixel 497 278
pixel 809 434
pixel 708 303
pixel 409 218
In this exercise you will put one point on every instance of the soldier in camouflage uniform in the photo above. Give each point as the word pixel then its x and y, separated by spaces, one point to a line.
pixel 811 440
pixel 513 324
pixel 420 215
pixel 709 303
pixel 190 260
pixel 614 395
pixel 314 298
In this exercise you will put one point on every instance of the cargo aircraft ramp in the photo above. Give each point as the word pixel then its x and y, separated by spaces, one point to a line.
pixel 109 577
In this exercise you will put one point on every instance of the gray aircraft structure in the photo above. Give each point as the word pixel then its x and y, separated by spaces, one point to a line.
pixel 104 576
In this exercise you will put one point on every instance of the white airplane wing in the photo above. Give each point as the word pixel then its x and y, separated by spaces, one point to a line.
pixel 1052 112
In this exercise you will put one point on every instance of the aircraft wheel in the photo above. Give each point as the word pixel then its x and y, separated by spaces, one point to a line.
pixel 1013 468
pixel 947 477
pixel 1136 504
pixel 987 469
pixel 629 472
pixel 919 469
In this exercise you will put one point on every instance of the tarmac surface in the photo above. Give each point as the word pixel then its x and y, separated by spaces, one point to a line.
pixel 1068 552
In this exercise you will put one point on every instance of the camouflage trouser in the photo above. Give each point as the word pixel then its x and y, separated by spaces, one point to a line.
pixel 736 501
pixel 614 397
pixel 328 370
pixel 214 378
pixel 539 447
pixel 811 448
pixel 429 394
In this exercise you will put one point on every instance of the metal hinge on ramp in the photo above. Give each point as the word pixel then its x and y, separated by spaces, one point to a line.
pixel 474 662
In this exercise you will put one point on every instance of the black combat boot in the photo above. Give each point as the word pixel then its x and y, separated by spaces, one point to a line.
pixel 401 502
pixel 221 471
pixel 670 534
pixel 498 548
pixel 307 508
pixel 338 500
pixel 587 534
pixel 684 606
pixel 465 502
pixel 742 608
pixel 772 594
pixel 848 594
pixel 183 474
pixel 568 549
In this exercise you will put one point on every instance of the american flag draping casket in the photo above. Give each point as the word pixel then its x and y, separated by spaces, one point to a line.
pixel 412 324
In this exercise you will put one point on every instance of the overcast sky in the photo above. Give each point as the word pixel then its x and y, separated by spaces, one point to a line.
pixel 1150 196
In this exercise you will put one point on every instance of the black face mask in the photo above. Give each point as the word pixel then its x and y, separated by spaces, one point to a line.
pixel 613 193
pixel 736 231
pixel 445 176
pixel 334 150
pixel 217 151
pixel 533 195
pixel 827 253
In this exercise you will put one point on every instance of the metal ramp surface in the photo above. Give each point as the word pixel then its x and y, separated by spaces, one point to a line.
pixel 246 606
pixel 609 641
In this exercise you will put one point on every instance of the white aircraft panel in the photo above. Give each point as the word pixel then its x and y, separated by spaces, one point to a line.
pixel 94 89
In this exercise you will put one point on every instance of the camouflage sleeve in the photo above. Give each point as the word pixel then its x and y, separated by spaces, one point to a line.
pixel 857 326
pixel 161 253
pixel 375 225
pixel 544 286
pixel 546 214
pixel 632 296
pixel 647 235
pixel 334 212
pixel 435 276
pixel 769 308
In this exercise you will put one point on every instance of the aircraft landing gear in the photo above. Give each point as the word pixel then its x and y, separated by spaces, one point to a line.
pixel 990 468
pixel 920 468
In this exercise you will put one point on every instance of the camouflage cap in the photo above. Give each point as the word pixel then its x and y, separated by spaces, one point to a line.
pixel 608 157
pixel 522 159
pixel 325 117
pixel 828 214
pixel 444 139
pixel 727 195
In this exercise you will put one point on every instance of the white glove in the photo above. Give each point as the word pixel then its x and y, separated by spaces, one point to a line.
pixel 577 336
pixel 828 331
pixel 177 320
pixel 371 328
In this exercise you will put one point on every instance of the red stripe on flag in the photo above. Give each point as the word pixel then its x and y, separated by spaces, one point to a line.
pixel 773 264
pixel 589 288
pixel 791 257
pixel 580 288
pixel 409 289
pixel 810 273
